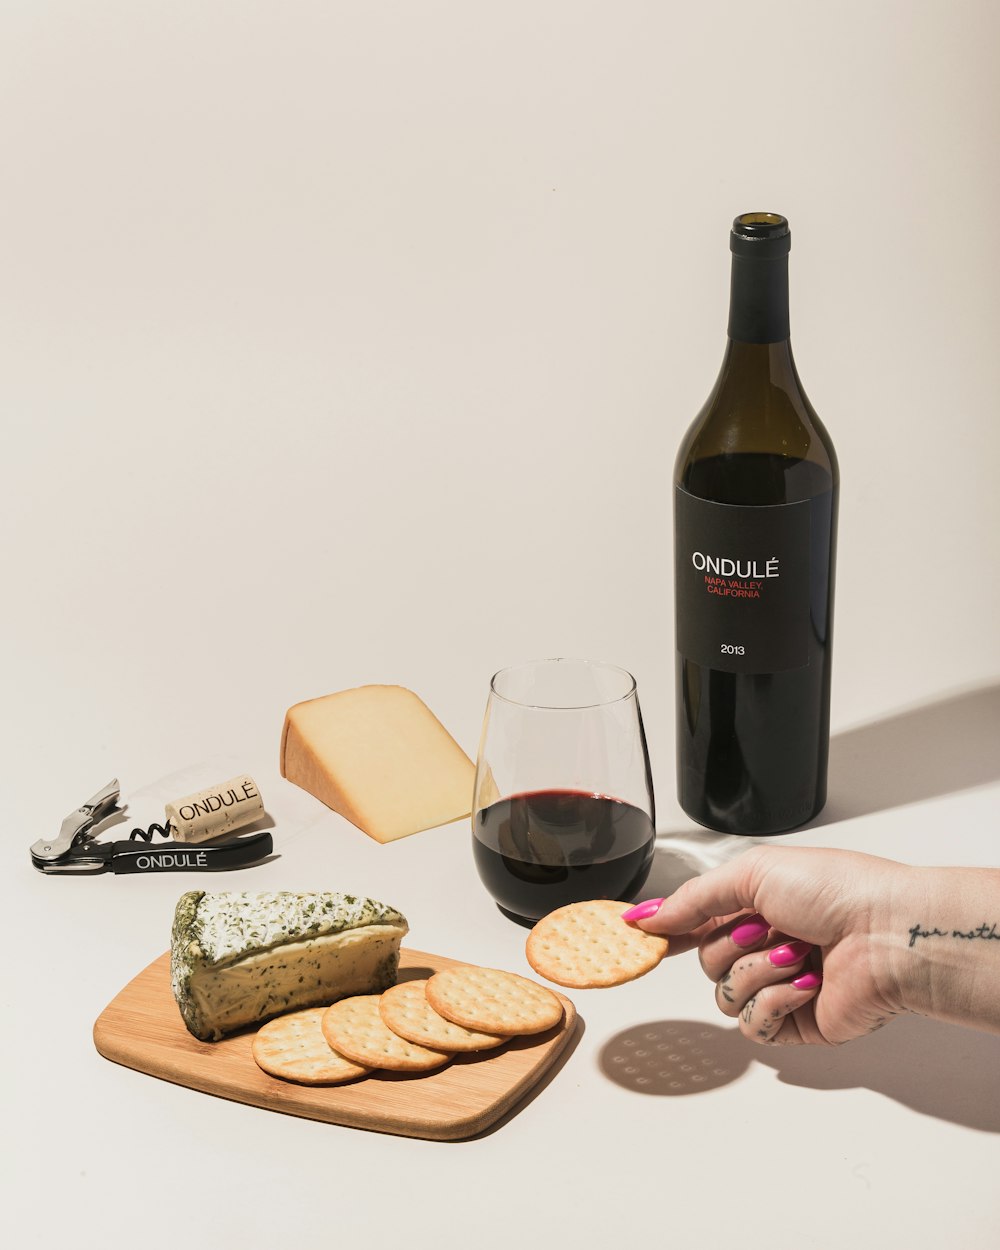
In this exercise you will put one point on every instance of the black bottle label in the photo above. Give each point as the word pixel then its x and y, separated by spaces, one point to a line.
pixel 742 584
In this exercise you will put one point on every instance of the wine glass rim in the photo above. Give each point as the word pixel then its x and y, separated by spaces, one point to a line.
pixel 564 707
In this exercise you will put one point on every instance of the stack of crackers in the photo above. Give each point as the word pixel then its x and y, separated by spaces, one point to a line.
pixel 416 1026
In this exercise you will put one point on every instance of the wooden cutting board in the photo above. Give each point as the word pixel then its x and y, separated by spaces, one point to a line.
pixel 142 1029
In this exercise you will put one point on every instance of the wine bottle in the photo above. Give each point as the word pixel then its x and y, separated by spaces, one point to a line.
pixel 755 519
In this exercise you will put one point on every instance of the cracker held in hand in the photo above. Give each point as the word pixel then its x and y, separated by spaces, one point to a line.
pixel 588 946
pixel 355 1029
pixel 491 1001
pixel 406 1011
pixel 293 1048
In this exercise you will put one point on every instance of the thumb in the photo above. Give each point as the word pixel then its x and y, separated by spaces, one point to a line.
pixel 722 891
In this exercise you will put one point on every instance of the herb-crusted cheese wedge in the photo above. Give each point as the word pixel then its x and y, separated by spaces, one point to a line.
pixel 239 959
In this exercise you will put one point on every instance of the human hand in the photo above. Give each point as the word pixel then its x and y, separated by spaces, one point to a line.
pixel 818 969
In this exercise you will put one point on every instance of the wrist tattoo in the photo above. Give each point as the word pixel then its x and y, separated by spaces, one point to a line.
pixel 986 932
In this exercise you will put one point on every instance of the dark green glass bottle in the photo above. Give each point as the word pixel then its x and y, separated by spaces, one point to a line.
pixel 755 521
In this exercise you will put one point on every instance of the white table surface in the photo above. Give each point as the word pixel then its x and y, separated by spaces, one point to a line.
pixel 347 343
pixel 703 1132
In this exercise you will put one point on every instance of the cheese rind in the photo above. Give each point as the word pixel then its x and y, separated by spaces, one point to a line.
pixel 379 757
pixel 239 959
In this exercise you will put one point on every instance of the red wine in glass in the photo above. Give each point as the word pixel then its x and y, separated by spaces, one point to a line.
pixel 563 808
pixel 536 852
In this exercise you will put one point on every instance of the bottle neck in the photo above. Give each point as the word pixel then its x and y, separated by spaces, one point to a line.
pixel 757 367
pixel 758 303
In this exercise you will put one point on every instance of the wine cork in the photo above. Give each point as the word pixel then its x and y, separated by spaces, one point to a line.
pixel 214 812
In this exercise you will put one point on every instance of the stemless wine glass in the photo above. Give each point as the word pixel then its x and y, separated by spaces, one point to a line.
pixel 563 804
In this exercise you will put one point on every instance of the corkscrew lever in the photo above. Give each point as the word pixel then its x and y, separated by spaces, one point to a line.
pixel 78 825
pixel 90 855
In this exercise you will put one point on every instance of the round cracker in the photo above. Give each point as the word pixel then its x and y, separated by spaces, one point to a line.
pixel 406 1011
pixel 589 946
pixel 293 1048
pixel 354 1027
pixel 491 1001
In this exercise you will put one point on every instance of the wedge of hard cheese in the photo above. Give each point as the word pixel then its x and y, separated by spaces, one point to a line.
pixel 379 757
pixel 239 959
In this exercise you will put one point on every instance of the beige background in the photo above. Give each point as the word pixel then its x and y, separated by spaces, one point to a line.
pixel 352 342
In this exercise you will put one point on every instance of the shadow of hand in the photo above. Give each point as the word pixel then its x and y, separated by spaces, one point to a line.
pixel 940 1070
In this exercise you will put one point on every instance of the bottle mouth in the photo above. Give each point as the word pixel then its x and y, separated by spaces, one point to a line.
pixel 760 234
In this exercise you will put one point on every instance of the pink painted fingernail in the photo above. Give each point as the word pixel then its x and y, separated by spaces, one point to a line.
pixel 643 911
pixel 790 953
pixel 750 931
pixel 808 980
